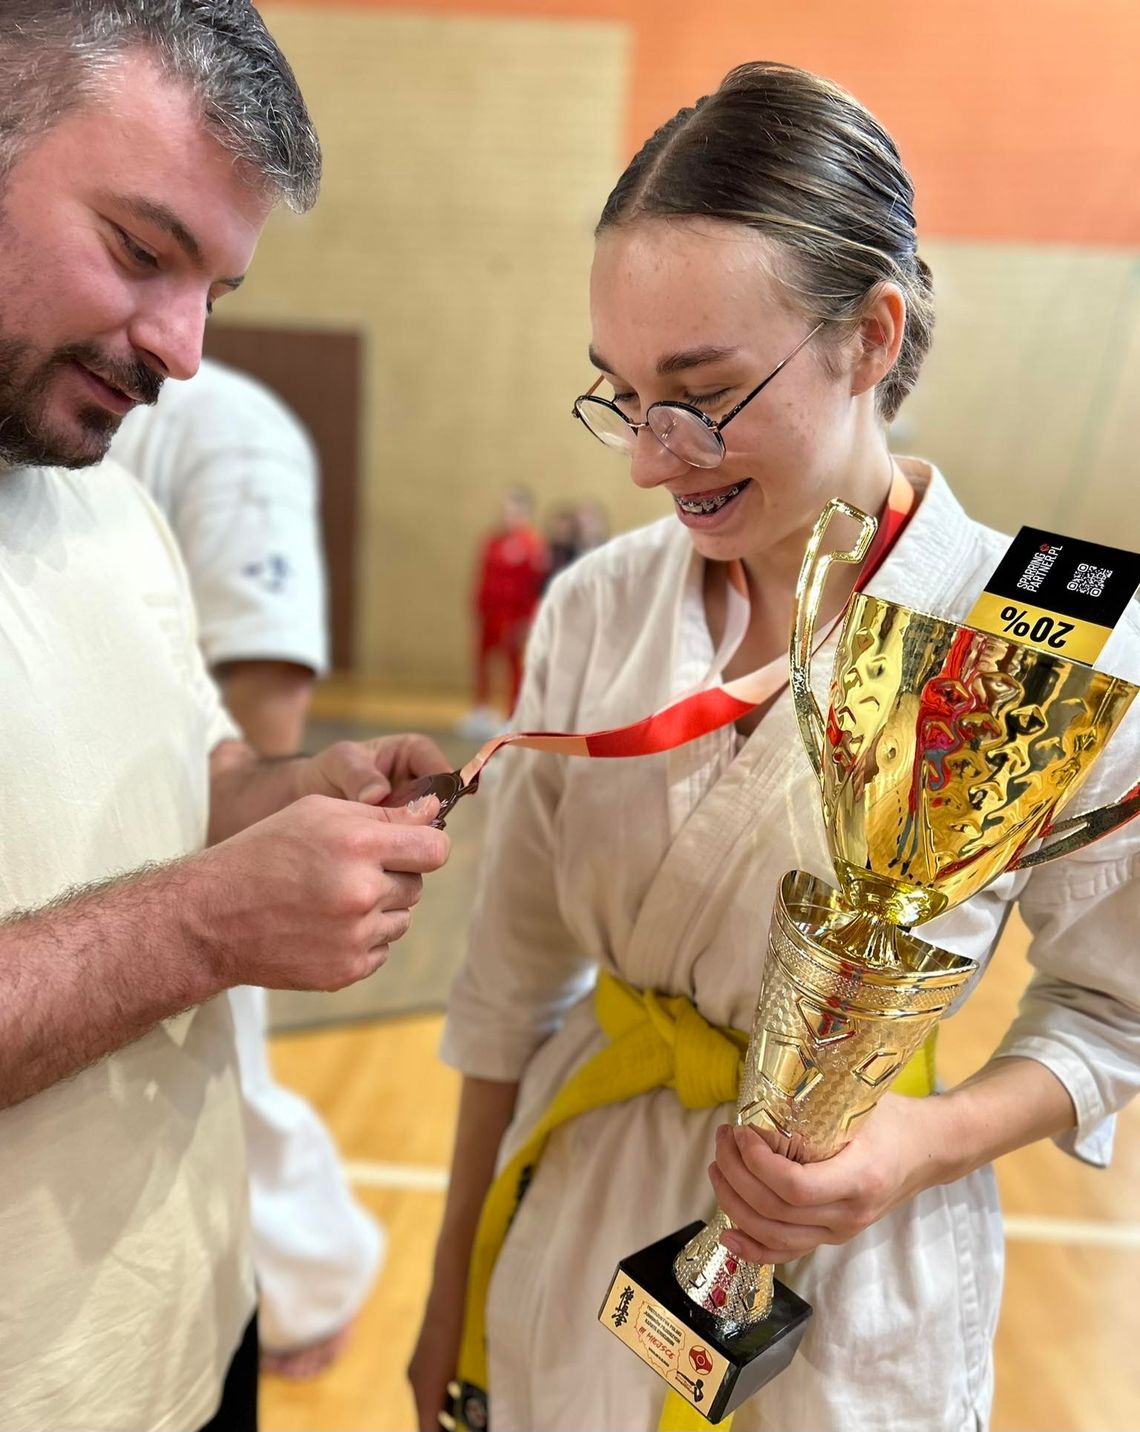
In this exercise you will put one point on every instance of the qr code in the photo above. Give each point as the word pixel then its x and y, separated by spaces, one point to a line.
pixel 1089 581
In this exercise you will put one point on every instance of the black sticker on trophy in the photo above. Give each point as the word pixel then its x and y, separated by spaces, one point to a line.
pixel 1058 594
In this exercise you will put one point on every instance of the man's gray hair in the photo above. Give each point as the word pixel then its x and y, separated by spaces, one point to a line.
pixel 54 55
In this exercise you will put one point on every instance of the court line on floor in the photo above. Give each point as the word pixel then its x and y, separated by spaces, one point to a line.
pixel 1103 1233
pixel 1024 1228
pixel 410 1178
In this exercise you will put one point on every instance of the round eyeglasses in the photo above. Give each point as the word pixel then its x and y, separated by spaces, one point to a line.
pixel 680 428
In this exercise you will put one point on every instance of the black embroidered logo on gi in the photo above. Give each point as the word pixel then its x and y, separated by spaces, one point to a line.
pixel 272 574
pixel 525 1176
pixel 620 1314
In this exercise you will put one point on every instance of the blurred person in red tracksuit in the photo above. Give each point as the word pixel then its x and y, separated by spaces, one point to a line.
pixel 511 570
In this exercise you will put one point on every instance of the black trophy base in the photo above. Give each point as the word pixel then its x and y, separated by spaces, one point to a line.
pixel 646 1308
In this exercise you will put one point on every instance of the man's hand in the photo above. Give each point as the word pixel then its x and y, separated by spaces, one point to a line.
pixel 245 790
pixel 308 894
pixel 369 771
pixel 312 897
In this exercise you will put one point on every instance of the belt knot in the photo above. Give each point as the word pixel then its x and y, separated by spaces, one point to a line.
pixel 703 1062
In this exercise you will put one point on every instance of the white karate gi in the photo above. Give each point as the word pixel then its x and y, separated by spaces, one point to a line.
pixel 235 474
pixel 664 869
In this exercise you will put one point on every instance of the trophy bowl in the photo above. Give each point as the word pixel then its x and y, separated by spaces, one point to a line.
pixel 944 753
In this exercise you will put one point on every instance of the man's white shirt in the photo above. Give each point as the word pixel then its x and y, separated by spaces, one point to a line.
pixel 123 1237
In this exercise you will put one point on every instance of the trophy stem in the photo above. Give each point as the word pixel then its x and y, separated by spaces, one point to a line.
pixel 866 938
pixel 735 1290
pixel 845 1001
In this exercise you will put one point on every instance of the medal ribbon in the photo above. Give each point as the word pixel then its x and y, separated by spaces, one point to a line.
pixel 706 710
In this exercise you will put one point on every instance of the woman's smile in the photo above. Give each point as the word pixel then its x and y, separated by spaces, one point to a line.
pixel 711 507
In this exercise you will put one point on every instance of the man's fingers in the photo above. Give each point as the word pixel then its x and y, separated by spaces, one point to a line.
pixel 349 770
pixel 404 839
pixel 390 926
pixel 368 771
pixel 420 756
pixel 420 812
pixel 360 780
pixel 377 956
pixel 401 892
pixel 383 929
pixel 401 760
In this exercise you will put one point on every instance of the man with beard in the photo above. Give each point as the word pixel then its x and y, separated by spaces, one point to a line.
pixel 142 146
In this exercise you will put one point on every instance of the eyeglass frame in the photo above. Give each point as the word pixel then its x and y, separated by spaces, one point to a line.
pixel 715 425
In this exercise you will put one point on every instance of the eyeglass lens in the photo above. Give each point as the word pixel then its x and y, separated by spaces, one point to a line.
pixel 680 432
pixel 606 424
pixel 684 435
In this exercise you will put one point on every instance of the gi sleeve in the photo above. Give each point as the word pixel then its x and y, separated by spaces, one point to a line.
pixel 248 526
pixel 1080 1015
pixel 523 970
pixel 217 723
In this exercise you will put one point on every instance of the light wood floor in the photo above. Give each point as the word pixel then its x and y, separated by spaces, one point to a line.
pixel 1066 1350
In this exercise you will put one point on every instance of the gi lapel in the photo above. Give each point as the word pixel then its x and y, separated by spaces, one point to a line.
pixel 730 828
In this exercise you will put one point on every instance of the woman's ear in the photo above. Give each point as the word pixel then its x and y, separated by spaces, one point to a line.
pixel 879 337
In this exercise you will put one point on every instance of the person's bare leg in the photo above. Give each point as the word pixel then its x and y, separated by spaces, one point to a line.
pixel 308 1361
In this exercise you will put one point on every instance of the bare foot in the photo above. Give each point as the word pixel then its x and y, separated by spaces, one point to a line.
pixel 307 1361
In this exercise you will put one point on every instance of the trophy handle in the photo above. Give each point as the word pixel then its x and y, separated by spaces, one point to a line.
pixel 1077 831
pixel 809 592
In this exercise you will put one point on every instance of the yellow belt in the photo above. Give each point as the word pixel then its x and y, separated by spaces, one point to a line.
pixel 656 1041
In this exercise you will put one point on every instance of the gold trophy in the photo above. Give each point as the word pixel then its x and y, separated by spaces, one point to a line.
pixel 945 753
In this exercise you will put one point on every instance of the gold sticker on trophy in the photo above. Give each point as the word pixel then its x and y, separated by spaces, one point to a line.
pixel 1057 594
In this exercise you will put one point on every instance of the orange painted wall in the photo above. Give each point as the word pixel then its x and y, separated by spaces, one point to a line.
pixel 1019 119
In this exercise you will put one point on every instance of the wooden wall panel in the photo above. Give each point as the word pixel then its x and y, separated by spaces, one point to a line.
pixel 1019 120
pixel 466 162
pixel 1030 394
pixel 467 159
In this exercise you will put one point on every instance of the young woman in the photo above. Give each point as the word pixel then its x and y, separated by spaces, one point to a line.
pixel 766 231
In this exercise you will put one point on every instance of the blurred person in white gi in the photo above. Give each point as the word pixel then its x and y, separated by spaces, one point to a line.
pixel 236 476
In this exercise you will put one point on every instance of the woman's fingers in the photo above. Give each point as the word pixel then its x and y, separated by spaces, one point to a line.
pixel 779 1241
pixel 748 1165
pixel 745 1247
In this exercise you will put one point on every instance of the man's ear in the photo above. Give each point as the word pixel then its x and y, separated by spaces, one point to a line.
pixel 879 337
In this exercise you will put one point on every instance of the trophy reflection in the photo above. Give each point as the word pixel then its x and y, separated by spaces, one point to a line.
pixel 945 753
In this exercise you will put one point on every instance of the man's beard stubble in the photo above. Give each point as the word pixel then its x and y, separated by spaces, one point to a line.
pixel 26 437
